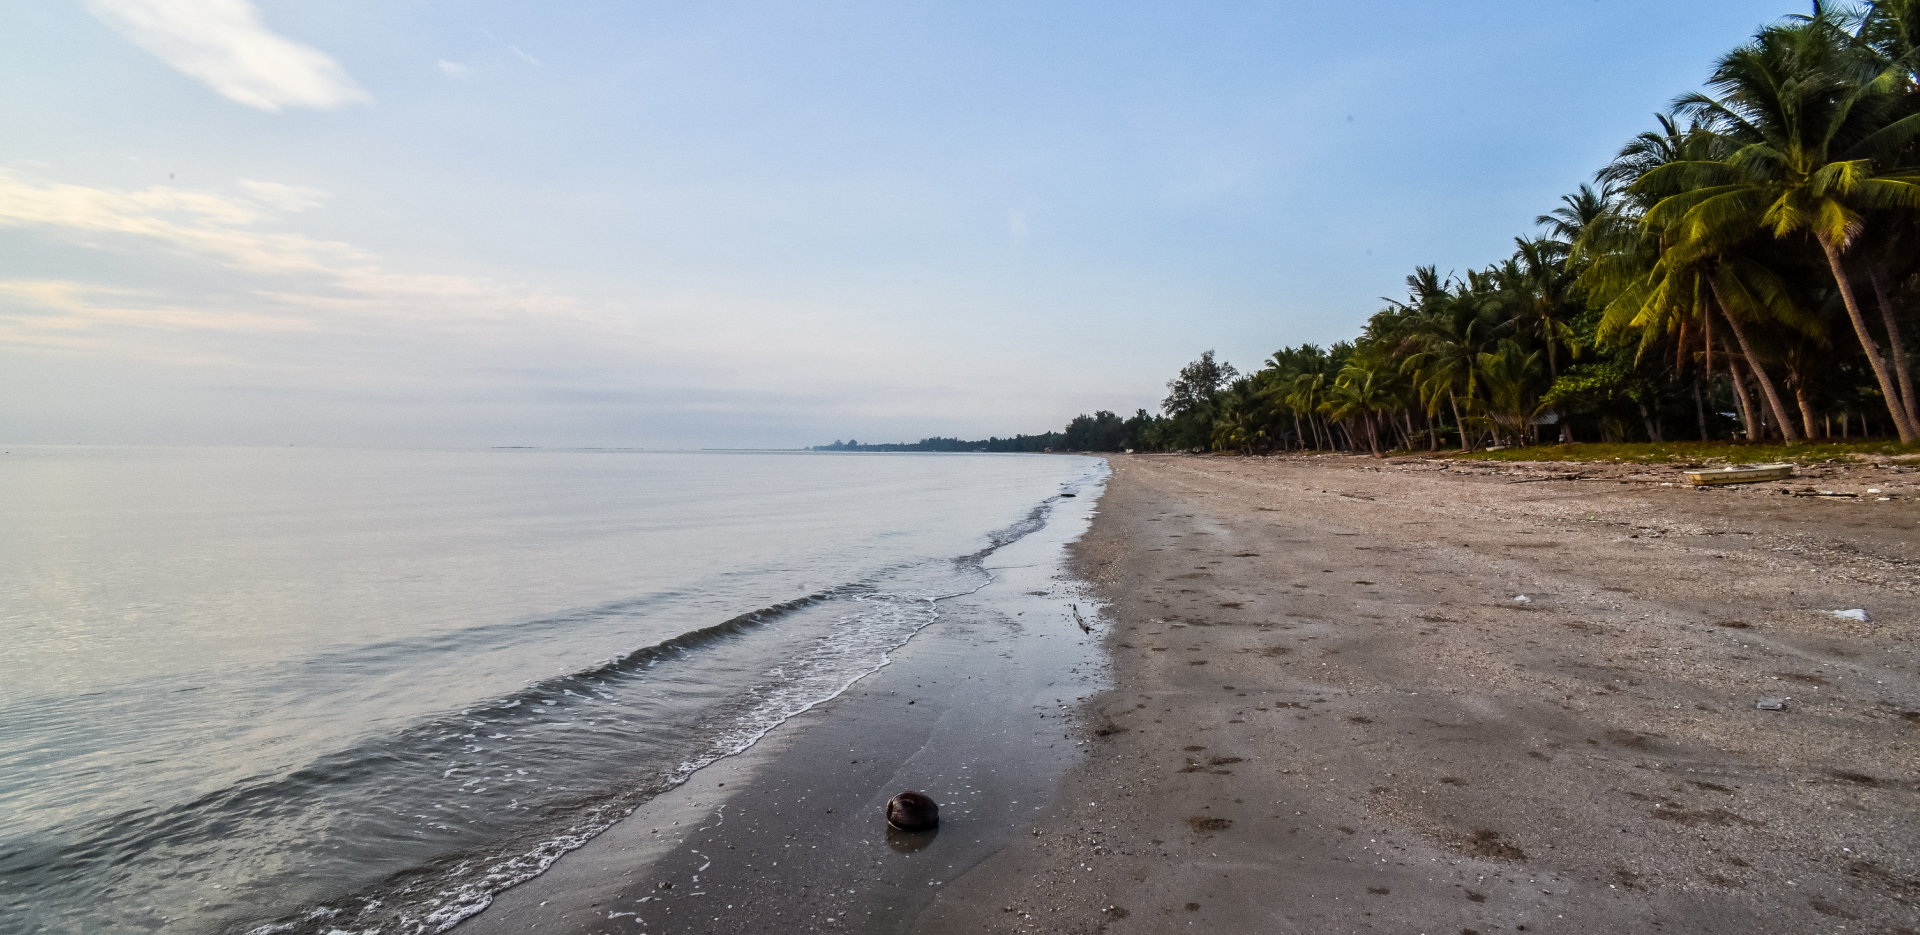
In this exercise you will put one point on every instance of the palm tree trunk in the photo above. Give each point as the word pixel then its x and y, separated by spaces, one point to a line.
pixel 1896 348
pixel 1894 408
pixel 1699 407
pixel 1787 430
pixel 1465 445
pixel 1302 439
pixel 1741 400
pixel 1806 407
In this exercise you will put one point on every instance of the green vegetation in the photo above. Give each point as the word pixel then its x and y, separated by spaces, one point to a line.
pixel 1696 452
pixel 1743 271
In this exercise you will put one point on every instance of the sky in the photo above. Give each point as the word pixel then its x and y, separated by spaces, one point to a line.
pixel 709 224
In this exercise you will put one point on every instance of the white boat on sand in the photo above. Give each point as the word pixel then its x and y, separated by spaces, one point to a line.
pixel 1739 474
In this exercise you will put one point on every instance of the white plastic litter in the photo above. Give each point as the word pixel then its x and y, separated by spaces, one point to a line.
pixel 1522 599
pixel 1854 614
pixel 1772 704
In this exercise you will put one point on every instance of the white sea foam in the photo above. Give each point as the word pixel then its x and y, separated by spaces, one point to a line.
pixel 855 646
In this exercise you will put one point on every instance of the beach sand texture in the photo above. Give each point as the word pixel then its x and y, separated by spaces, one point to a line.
pixel 1331 715
pixel 1328 714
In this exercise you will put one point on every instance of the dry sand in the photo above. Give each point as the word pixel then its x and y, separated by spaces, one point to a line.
pixel 1330 713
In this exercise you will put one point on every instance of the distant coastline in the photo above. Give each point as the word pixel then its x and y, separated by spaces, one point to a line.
pixel 1046 441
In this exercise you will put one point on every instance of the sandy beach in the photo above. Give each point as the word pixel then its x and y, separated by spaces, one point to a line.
pixel 1328 710
pixel 1331 714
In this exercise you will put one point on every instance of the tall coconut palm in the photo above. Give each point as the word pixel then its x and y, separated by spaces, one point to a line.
pixel 1650 281
pixel 1539 292
pixel 1509 372
pixel 1363 392
pixel 1893 253
pixel 1804 142
pixel 1240 422
pixel 1576 213
pixel 1443 353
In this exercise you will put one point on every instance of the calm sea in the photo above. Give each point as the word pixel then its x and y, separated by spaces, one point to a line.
pixel 293 690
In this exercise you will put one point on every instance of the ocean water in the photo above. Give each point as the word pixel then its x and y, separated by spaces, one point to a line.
pixel 293 690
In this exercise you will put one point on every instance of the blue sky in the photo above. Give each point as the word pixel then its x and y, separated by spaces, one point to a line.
pixel 710 224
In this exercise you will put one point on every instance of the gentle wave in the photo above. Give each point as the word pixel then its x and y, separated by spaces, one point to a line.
pixel 868 623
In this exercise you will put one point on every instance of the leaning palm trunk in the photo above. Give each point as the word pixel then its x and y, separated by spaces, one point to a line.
pixel 1896 347
pixel 1466 444
pixel 1741 400
pixel 1895 408
pixel 1759 373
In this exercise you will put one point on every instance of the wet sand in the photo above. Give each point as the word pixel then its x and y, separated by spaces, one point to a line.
pixel 976 710
pixel 1332 715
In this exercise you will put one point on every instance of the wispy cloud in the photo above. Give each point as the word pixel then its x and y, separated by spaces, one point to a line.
pixel 168 287
pixel 198 223
pixel 284 273
pixel 290 198
pixel 224 44
pixel 523 56
pixel 454 69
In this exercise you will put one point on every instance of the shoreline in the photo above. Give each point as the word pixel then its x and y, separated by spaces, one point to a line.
pixel 788 835
pixel 1331 715
pixel 1325 712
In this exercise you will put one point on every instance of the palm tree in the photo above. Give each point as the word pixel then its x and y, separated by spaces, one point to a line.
pixel 1509 372
pixel 1307 393
pixel 1362 392
pixel 1239 425
pixel 1540 291
pixel 1890 31
pixel 1576 213
pixel 1804 141
pixel 1443 351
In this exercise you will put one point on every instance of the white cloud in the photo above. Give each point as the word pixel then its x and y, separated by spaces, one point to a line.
pixel 290 198
pixel 523 56
pixel 182 221
pixel 454 69
pixel 156 289
pixel 224 44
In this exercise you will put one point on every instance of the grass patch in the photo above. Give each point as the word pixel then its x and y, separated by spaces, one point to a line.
pixel 1694 452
